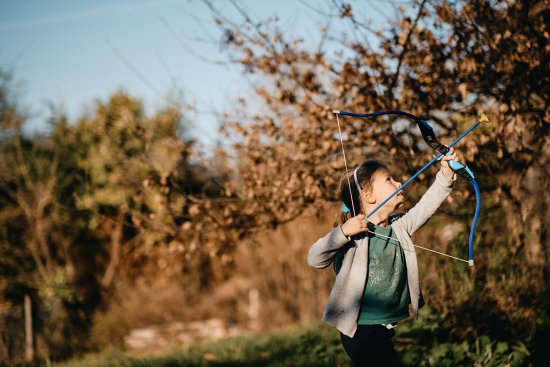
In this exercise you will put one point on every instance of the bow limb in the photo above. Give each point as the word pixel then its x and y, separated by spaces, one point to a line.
pixel 465 172
pixel 427 132
pixel 474 224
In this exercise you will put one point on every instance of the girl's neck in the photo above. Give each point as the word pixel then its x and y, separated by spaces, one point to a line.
pixel 380 219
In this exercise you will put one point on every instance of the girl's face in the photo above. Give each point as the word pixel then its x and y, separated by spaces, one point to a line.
pixel 383 185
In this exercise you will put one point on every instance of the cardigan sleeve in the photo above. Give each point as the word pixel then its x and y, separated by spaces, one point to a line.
pixel 322 253
pixel 428 204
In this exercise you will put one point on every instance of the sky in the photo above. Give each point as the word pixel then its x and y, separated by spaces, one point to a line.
pixel 69 54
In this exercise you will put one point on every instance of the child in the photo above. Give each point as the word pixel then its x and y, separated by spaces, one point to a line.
pixel 375 260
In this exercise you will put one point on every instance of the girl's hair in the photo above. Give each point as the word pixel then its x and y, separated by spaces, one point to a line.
pixel 364 177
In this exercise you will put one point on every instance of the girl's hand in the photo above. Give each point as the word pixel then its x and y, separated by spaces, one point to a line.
pixel 447 171
pixel 355 225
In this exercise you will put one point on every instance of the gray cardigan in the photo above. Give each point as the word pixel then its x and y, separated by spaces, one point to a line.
pixel 352 257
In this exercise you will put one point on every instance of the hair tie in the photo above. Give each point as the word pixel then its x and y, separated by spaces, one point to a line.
pixel 344 208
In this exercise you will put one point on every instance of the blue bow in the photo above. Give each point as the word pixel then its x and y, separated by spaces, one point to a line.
pixel 432 141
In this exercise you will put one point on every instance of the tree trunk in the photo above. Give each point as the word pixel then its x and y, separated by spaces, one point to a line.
pixel 29 348
pixel 114 253
pixel 533 211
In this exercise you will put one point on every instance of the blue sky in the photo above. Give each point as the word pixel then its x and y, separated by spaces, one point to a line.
pixel 71 53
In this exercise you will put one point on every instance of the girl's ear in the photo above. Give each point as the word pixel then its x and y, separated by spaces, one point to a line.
pixel 368 194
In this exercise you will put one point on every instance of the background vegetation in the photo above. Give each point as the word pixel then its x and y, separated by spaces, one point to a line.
pixel 319 345
pixel 114 221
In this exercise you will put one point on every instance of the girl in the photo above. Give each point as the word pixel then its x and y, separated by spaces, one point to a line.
pixel 375 260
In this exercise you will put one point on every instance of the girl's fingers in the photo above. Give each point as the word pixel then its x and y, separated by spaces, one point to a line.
pixel 453 156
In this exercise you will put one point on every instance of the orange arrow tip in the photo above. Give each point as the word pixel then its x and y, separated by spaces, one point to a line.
pixel 483 117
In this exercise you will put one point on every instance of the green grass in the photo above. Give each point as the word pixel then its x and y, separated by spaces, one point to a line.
pixel 308 345
pixel 423 342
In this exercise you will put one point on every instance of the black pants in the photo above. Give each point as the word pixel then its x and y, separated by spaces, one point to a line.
pixel 371 346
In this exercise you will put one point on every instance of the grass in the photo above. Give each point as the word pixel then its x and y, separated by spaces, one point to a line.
pixel 423 342
pixel 307 345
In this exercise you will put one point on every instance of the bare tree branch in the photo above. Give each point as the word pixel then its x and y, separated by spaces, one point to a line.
pixel 405 47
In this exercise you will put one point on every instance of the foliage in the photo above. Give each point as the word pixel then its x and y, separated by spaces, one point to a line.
pixel 108 331
pixel 438 63
pixel 429 341
pixel 319 345
pixel 310 345
pixel 88 204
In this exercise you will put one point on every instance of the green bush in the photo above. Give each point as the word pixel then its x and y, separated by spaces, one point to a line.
pixel 109 330
pixel 428 341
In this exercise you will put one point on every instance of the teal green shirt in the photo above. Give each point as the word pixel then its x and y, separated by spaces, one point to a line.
pixel 386 296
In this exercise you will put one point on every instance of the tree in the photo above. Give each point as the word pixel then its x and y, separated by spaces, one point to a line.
pixel 445 61
pixel 92 202
pixel 140 186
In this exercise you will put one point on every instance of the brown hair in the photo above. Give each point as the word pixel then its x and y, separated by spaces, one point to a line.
pixel 364 176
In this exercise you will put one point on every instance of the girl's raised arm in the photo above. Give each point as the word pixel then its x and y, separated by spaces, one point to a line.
pixel 428 204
